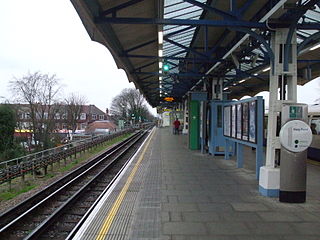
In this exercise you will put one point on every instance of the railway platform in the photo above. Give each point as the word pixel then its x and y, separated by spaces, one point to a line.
pixel 172 193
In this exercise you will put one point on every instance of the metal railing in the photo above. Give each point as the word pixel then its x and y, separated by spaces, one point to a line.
pixel 31 163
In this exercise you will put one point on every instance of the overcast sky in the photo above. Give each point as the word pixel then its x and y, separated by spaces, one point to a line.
pixel 48 36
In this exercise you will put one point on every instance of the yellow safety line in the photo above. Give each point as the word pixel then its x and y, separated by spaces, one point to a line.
pixel 313 162
pixel 113 211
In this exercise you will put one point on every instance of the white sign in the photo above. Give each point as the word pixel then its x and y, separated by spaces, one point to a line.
pixel 295 136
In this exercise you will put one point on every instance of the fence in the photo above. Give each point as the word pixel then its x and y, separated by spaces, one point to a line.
pixel 18 167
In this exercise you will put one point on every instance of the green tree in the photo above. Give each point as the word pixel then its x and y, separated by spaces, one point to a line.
pixel 130 105
pixel 7 126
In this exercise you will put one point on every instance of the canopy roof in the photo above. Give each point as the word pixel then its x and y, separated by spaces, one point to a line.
pixel 200 40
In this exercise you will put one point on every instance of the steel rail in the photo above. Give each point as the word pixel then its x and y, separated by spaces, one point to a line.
pixel 102 195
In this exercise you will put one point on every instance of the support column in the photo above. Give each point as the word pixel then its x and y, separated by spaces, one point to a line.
pixel 269 180
pixel 185 117
pixel 203 121
pixel 239 155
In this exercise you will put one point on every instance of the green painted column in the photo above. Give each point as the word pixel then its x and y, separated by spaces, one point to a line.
pixel 194 128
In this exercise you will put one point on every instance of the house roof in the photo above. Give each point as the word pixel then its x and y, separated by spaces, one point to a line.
pixel 91 109
pixel 100 125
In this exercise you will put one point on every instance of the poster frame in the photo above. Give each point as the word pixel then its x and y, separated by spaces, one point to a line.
pixel 227 121
pixel 233 120
pixel 254 139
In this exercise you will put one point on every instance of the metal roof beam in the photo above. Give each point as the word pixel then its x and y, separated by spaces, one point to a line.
pixel 309 26
pixel 186 74
pixel 183 42
pixel 190 22
pixel 172 74
pixel 309 61
pixel 173 58
pixel 302 45
pixel 201 22
pixel 186 48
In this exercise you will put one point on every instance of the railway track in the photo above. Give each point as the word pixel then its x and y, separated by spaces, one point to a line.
pixel 54 212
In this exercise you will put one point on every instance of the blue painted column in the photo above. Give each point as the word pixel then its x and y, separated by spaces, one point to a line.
pixel 260 128
pixel 239 155
pixel 226 149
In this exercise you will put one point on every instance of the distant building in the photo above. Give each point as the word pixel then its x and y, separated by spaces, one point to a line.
pixel 88 114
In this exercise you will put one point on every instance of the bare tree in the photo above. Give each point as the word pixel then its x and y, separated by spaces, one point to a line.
pixel 74 103
pixel 130 104
pixel 40 92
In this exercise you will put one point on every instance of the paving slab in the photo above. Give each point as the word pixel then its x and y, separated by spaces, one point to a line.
pixel 228 228
pixel 249 207
pixel 184 228
pixel 213 199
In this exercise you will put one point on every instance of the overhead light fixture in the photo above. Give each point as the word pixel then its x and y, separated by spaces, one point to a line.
pixel 160 53
pixel 243 80
pixel 315 47
pixel 266 69
pixel 160 64
pixel 160 37
pixel 226 88
pixel 255 74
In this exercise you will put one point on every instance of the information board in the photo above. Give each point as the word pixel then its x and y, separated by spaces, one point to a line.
pixel 246 129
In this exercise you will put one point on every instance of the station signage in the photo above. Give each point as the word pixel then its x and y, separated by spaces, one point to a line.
pixel 168 99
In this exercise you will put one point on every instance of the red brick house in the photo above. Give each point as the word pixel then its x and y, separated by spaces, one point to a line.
pixel 88 114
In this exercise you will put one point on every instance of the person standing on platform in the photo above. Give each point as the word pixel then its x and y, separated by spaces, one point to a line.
pixel 176 125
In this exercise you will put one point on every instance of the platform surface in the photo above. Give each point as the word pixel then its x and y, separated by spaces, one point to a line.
pixel 179 194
